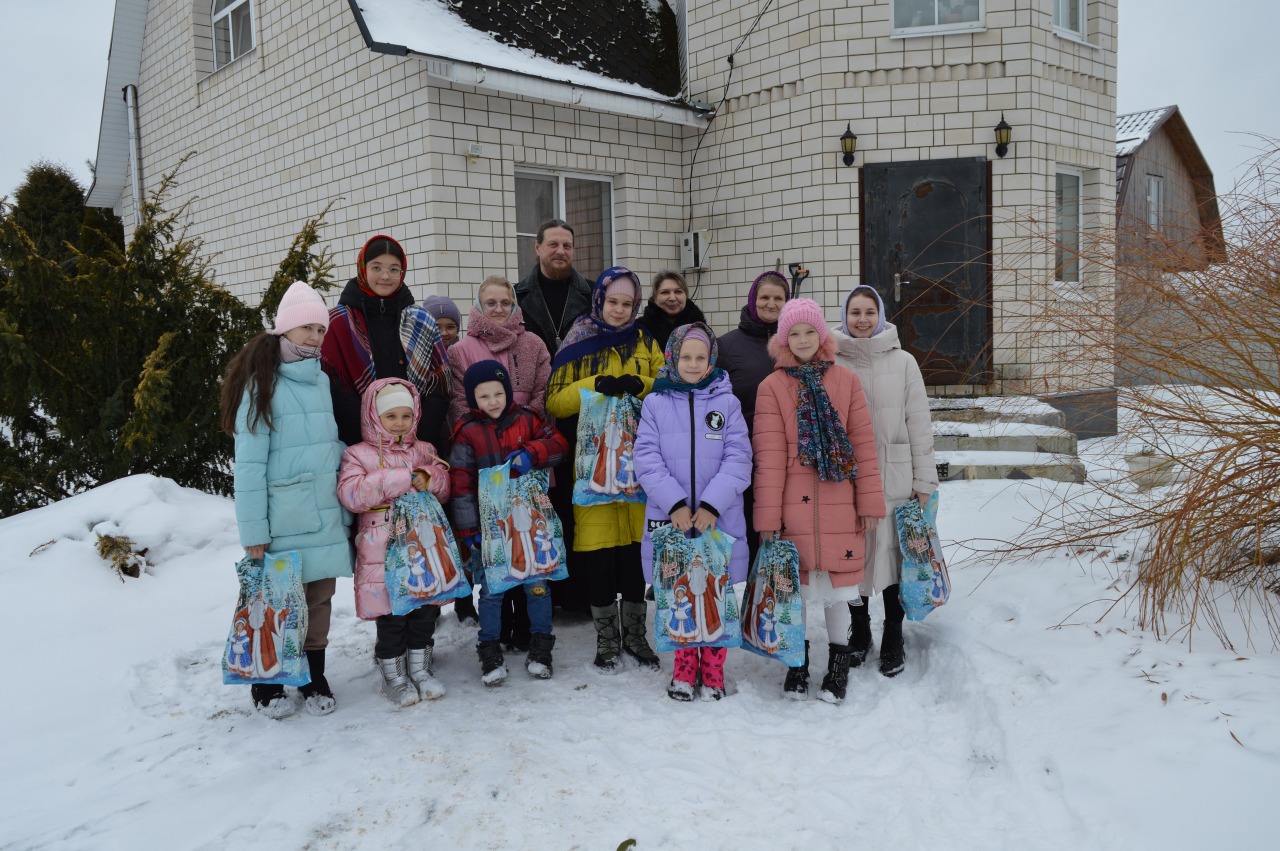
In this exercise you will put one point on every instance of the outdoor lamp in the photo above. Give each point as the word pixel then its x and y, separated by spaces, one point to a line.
pixel 1003 133
pixel 848 144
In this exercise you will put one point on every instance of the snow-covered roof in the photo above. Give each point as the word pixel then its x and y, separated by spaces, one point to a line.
pixel 620 57
pixel 1134 128
pixel 111 162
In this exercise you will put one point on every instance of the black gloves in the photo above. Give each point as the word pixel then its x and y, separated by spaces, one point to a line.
pixel 608 385
pixel 631 385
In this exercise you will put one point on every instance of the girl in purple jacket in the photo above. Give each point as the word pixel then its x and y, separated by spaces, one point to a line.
pixel 693 458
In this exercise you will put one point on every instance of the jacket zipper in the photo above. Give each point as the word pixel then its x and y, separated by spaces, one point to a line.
pixel 693 463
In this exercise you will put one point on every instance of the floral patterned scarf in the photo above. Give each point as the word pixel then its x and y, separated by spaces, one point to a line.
pixel 824 443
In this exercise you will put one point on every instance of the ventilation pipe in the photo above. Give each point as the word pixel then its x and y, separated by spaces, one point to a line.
pixel 135 151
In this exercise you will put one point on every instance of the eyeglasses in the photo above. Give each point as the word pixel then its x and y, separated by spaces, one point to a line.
pixel 394 271
pixel 493 305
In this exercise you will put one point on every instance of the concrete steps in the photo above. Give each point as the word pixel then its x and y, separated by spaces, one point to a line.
pixel 1007 437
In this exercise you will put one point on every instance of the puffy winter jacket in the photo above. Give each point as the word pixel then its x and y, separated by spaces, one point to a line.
pixel 697 438
pixel 899 408
pixel 617 523
pixel 479 441
pixel 286 477
pixel 526 360
pixel 820 517
pixel 374 473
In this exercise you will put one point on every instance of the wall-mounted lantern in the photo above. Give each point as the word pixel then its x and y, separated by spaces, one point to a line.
pixel 1003 134
pixel 848 144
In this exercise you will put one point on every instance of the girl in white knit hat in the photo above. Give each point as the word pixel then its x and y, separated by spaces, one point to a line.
pixel 276 404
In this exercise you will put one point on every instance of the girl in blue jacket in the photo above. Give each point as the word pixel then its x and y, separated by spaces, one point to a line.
pixel 277 406
pixel 693 457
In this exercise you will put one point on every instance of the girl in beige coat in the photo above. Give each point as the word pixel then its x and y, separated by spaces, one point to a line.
pixel 891 380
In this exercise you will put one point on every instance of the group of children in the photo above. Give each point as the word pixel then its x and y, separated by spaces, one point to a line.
pixel 812 457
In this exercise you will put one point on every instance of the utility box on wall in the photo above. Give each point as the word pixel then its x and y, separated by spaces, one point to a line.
pixel 693 250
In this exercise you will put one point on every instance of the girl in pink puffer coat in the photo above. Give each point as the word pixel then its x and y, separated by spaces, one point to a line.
pixel 817 478
pixel 391 462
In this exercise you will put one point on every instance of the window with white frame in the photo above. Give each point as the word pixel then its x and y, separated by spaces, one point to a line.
pixel 232 30
pixel 921 17
pixel 584 201
pixel 1155 201
pixel 1069 16
pixel 1068 225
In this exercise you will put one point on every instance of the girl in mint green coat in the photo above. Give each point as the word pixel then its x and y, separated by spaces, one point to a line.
pixel 276 404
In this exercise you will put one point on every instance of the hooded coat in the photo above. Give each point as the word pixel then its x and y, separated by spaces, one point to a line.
pixel 819 517
pixel 286 476
pixel 693 448
pixel 899 408
pixel 374 473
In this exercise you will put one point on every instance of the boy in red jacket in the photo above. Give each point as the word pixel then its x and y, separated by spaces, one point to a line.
pixel 496 430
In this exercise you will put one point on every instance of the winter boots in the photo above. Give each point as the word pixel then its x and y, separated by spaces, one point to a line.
pixel 893 657
pixel 270 700
pixel 396 685
pixel 421 675
pixel 836 683
pixel 317 697
pixel 796 685
pixel 859 633
pixel 635 627
pixel 608 640
pixel 493 669
pixel 538 662
pixel 684 680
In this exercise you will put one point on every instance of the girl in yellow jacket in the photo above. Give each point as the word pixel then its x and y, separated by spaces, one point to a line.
pixel 606 351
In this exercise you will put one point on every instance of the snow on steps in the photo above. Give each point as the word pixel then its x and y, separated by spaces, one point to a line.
pixel 1004 437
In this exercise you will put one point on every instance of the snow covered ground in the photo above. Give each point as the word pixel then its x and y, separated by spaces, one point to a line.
pixel 1020 722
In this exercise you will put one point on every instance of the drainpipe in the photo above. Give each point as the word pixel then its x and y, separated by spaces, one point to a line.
pixel 135 151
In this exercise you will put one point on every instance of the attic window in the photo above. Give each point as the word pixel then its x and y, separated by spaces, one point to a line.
pixel 232 30
pixel 1155 201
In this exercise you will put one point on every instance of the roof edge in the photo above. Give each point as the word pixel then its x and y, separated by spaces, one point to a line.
pixel 124 64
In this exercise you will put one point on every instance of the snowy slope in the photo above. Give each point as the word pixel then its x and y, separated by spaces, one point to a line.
pixel 1020 722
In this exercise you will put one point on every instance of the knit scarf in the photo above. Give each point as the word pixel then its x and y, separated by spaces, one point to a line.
pixel 590 338
pixel 669 375
pixel 824 443
pixel 503 337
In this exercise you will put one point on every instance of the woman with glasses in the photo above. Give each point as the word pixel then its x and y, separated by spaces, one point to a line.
pixel 378 331
pixel 495 331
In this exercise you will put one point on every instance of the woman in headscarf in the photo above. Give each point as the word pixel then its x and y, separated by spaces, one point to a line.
pixel 608 352
pixel 377 331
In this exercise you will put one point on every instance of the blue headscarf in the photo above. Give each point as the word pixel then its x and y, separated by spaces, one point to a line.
pixel 669 376
pixel 590 336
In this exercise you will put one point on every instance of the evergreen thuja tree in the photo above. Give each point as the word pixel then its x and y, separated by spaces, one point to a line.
pixel 110 358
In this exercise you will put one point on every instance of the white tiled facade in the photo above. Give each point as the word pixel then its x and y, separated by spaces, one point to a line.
pixel 313 116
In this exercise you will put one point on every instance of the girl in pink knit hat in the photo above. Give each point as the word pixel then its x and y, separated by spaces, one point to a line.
pixel 817 479
pixel 276 404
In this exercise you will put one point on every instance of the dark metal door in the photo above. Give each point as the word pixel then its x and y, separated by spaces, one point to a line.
pixel 926 247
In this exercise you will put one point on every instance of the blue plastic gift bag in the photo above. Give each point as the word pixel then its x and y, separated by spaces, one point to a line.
pixel 772 609
pixel 695 606
pixel 604 465
pixel 269 625
pixel 521 539
pixel 925 583
pixel 423 565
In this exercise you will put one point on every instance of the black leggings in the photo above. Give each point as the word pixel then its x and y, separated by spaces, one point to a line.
pixel 611 571
pixel 400 633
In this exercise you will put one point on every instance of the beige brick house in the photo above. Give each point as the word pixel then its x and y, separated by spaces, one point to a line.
pixel 457 142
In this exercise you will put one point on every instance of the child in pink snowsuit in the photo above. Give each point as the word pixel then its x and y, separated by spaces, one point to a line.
pixel 391 462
